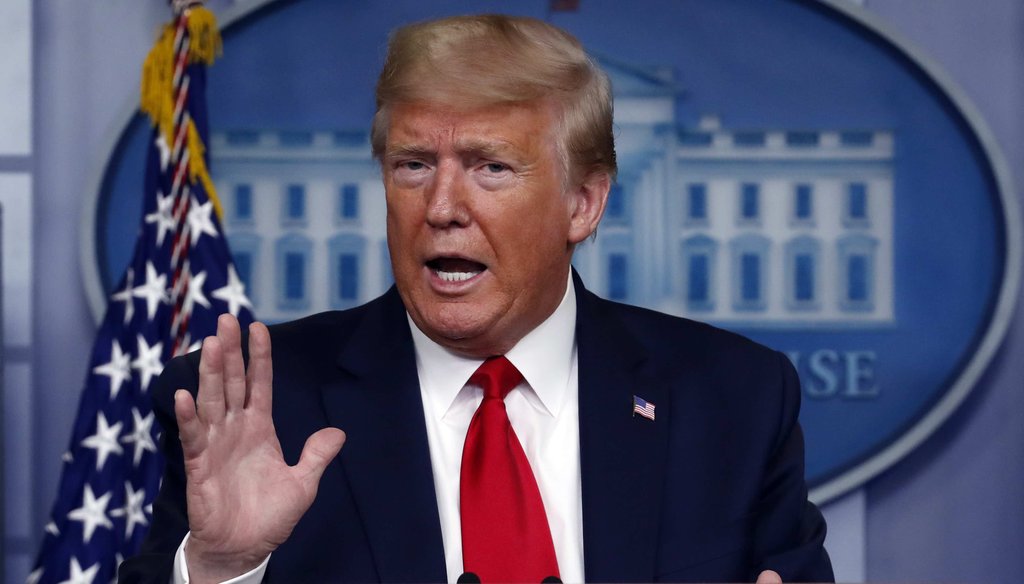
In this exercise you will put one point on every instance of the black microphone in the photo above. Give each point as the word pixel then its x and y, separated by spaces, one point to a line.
pixel 551 580
pixel 468 578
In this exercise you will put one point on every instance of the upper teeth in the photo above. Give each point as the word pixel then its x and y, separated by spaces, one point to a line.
pixel 455 276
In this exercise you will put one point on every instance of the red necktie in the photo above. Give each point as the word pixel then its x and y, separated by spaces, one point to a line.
pixel 505 535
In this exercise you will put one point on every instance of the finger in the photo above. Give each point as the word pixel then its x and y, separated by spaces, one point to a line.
pixel 190 429
pixel 234 367
pixel 320 449
pixel 260 375
pixel 210 401
pixel 769 577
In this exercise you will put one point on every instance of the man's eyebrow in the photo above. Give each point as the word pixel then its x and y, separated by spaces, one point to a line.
pixel 407 150
pixel 469 146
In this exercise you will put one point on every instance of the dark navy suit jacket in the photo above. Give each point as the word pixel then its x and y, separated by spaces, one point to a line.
pixel 711 490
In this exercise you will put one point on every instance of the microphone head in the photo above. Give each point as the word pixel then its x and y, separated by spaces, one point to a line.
pixel 551 580
pixel 468 578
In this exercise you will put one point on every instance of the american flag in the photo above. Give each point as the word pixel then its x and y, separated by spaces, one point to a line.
pixel 643 407
pixel 180 279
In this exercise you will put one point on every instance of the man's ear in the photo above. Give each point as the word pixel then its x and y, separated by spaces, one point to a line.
pixel 587 203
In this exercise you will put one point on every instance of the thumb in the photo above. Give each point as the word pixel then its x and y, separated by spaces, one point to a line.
pixel 319 451
pixel 769 577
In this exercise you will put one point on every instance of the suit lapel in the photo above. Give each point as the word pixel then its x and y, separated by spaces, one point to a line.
pixel 386 458
pixel 622 455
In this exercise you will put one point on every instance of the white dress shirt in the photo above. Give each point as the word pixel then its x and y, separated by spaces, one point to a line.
pixel 543 411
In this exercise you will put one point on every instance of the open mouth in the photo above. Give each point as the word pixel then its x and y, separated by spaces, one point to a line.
pixel 451 269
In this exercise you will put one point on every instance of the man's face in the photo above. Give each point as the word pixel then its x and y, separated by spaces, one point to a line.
pixel 479 227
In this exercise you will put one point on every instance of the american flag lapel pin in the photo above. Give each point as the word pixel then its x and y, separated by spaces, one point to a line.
pixel 643 407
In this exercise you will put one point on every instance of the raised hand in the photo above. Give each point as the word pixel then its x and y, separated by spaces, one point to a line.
pixel 243 498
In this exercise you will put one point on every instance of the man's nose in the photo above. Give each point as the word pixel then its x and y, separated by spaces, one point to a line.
pixel 446 197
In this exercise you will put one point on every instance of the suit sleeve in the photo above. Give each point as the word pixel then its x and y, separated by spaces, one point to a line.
pixel 789 532
pixel 155 561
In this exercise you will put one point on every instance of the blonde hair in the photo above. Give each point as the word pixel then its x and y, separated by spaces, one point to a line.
pixel 475 61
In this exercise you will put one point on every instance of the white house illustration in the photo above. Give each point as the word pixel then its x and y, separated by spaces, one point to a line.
pixel 753 227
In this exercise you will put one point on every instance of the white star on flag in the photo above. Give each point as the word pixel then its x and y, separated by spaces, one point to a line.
pixel 132 510
pixel 118 369
pixel 148 362
pixel 141 436
pixel 233 293
pixel 192 346
pixel 199 220
pixel 154 290
pixel 163 216
pixel 163 149
pixel 51 528
pixel 92 513
pixel 194 295
pixel 125 296
pixel 104 441
pixel 78 576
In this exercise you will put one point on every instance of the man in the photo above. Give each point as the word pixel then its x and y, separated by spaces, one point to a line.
pixel 494 137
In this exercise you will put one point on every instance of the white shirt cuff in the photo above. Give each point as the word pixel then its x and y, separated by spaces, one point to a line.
pixel 180 572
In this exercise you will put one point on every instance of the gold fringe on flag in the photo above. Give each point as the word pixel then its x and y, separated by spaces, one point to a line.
pixel 157 91
pixel 197 167
pixel 206 41
pixel 157 98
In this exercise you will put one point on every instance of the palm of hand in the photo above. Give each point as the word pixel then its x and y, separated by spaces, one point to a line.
pixel 243 498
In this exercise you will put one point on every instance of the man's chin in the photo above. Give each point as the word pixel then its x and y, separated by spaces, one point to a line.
pixel 470 337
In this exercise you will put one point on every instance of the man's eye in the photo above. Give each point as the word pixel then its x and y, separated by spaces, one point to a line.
pixel 496 167
pixel 413 165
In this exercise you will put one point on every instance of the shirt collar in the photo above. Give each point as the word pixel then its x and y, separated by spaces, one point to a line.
pixel 544 356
